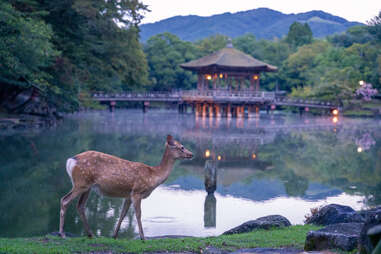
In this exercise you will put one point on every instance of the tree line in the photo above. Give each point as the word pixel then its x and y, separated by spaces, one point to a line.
pixel 71 48
pixel 328 68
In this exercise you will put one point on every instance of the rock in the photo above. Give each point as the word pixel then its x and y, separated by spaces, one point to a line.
pixel 342 236
pixel 369 236
pixel 266 222
pixel 333 214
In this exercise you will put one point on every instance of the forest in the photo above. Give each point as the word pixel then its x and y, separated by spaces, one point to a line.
pixel 71 48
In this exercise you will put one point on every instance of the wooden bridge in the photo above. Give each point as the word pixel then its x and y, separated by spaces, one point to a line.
pixel 216 102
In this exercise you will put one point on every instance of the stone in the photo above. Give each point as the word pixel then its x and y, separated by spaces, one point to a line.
pixel 267 222
pixel 371 231
pixel 333 214
pixel 342 236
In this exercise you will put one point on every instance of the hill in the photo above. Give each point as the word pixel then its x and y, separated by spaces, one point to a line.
pixel 262 22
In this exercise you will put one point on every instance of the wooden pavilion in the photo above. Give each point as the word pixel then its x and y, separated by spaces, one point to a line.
pixel 228 69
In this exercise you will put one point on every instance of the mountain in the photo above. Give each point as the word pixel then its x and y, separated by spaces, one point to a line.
pixel 262 22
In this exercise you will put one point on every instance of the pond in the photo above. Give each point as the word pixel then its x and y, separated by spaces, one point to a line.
pixel 270 164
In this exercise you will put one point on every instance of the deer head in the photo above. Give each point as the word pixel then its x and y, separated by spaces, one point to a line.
pixel 177 150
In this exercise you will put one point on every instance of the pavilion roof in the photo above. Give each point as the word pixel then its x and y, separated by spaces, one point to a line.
pixel 229 59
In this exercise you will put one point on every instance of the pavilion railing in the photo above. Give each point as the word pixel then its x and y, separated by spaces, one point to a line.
pixel 228 93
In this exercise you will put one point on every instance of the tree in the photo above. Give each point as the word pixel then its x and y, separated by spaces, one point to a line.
pixel 299 34
pixel 165 52
pixel 25 48
pixel 374 26
pixel 70 48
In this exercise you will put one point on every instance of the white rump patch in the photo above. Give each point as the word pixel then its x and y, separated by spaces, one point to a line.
pixel 70 164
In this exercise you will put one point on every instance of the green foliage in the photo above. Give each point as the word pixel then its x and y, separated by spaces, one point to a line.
pixel 71 48
pixel 165 52
pixel 299 34
pixel 375 27
pixel 25 48
pixel 293 236
pixel 355 34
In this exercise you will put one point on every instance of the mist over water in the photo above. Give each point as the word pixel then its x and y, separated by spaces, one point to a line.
pixel 269 164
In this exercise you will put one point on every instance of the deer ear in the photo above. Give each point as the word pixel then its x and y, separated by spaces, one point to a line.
pixel 170 140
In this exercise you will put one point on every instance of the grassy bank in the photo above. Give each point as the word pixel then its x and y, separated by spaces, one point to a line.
pixel 293 236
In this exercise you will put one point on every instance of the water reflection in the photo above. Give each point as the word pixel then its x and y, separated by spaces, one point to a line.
pixel 274 164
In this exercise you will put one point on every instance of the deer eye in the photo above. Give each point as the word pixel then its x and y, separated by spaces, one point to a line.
pixel 182 148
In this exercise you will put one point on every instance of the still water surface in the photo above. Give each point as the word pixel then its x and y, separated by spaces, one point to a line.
pixel 272 164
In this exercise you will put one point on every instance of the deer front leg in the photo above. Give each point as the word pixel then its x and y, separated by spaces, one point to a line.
pixel 126 206
pixel 81 211
pixel 138 212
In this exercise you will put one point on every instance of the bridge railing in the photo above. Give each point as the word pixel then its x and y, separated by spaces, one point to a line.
pixel 286 100
pixel 227 93
pixel 154 94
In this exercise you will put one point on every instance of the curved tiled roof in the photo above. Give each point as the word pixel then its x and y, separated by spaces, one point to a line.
pixel 229 58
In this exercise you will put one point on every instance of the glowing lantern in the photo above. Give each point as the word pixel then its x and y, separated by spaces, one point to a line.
pixel 359 149
pixel 219 157
pixel 221 75
pixel 335 112
pixel 253 156
pixel 255 77
pixel 207 153
pixel 208 76
pixel 361 82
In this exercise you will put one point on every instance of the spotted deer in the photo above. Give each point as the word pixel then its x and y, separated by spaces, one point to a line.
pixel 116 177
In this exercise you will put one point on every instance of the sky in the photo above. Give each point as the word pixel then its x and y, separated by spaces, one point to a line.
pixel 352 10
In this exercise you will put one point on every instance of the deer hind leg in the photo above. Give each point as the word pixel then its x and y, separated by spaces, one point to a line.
pixel 81 211
pixel 126 206
pixel 65 201
pixel 138 212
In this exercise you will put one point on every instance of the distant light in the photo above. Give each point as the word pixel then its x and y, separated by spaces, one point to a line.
pixel 335 112
pixel 253 156
pixel 221 75
pixel 255 77
pixel 207 153
pixel 361 82
pixel 335 119
pixel 219 157
pixel 359 149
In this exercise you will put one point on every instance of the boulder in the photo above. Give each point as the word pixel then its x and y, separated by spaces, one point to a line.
pixel 267 222
pixel 333 214
pixel 371 232
pixel 342 236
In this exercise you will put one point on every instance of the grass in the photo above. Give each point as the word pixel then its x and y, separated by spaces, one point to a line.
pixel 293 236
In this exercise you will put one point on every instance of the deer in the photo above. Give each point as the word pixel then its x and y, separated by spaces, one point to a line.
pixel 116 177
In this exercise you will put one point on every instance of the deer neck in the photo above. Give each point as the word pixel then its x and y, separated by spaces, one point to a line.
pixel 166 165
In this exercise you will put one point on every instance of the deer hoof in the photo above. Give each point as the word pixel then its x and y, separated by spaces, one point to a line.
pixel 62 234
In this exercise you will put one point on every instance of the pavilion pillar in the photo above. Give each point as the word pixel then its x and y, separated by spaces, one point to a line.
pixel 214 81
pixel 210 109
pixel 257 83
pixel 228 110
pixel 218 110
pixel 204 109
pixel 252 81
pixel 250 111
pixel 199 82
pixel 242 83
pixel 230 84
